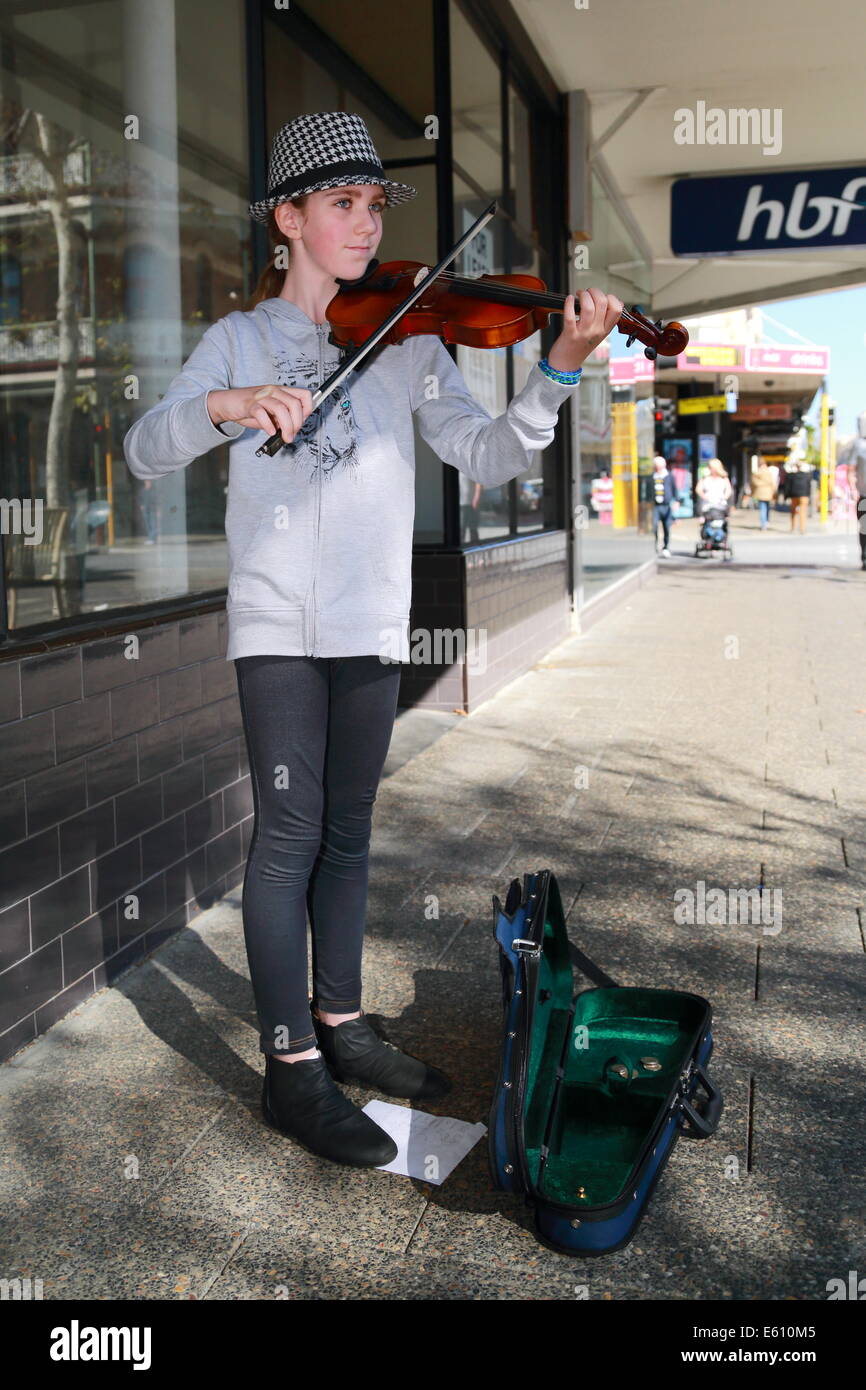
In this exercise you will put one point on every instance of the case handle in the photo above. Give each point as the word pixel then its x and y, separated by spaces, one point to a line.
pixel 701 1124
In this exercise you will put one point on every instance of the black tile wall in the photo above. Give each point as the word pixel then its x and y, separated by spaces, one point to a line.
pixel 10 692
pixel 512 603
pixel 125 809
pixel 114 768
pixel 79 727
pixel 61 905
pixel 14 933
pixel 51 680
pixel 13 815
pixel 26 746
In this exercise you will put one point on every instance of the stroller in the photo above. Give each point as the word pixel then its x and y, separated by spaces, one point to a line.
pixel 714 533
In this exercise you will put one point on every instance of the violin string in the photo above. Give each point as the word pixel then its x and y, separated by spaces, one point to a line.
pixel 517 294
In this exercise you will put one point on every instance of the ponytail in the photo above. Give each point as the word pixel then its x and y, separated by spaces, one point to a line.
pixel 272 278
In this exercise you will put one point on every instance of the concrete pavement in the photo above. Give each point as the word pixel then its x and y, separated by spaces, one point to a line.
pixel 720 717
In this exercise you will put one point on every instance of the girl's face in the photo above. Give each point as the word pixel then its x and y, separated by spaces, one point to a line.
pixel 342 228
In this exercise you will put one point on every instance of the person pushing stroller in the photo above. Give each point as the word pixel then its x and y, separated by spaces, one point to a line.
pixel 714 492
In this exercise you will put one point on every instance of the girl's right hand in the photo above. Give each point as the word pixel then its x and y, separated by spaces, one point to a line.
pixel 268 408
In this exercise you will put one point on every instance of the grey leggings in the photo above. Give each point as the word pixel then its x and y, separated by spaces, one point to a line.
pixel 317 732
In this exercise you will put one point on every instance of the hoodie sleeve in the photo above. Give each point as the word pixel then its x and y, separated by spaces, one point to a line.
pixel 178 428
pixel 461 431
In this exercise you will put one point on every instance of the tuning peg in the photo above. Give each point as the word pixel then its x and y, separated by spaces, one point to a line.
pixel 635 309
pixel 650 353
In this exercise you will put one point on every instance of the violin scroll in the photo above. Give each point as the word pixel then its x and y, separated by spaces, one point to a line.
pixel 667 340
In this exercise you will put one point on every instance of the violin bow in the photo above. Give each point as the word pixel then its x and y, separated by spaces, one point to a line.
pixel 331 383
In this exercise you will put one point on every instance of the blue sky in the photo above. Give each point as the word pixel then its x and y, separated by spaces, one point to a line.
pixel 838 321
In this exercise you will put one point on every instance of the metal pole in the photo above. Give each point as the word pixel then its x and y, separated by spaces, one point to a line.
pixel 825 448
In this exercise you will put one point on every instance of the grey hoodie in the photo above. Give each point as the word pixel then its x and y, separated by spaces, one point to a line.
pixel 320 535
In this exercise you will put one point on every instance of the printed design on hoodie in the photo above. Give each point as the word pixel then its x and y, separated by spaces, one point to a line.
pixel 339 430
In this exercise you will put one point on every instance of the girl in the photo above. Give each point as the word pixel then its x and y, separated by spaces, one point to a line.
pixel 320 552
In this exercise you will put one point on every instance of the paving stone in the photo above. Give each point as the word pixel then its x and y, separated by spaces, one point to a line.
pixel 634 761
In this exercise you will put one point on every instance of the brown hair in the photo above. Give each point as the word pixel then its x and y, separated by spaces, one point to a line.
pixel 271 279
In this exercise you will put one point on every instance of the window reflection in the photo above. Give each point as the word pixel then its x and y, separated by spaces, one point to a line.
pixel 507 245
pixel 115 254
pixel 204 287
pixel 477 108
pixel 10 289
pixel 484 512
pixel 615 436
pixel 520 180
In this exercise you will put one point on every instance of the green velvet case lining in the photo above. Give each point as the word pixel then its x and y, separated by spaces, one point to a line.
pixel 596 1134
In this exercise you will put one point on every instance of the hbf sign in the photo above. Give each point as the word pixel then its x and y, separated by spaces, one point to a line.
pixel 768 212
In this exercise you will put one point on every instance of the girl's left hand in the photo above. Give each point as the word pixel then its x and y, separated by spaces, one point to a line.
pixel 583 329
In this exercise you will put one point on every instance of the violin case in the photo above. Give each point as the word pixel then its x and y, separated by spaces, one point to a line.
pixel 595 1086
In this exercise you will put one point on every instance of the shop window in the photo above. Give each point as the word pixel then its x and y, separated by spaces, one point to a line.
pixel 477 109
pixel 144 209
pixel 10 289
pixel 203 287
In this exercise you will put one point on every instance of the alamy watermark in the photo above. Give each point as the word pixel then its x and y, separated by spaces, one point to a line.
pixel 22 518
pixel 721 907
pixel 736 126
pixel 438 646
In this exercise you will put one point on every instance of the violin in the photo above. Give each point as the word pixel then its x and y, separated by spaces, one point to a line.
pixel 490 311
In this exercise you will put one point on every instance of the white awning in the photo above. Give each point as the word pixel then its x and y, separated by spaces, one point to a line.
pixel 658 57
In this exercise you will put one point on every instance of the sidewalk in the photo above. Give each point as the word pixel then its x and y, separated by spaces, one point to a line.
pixel 721 714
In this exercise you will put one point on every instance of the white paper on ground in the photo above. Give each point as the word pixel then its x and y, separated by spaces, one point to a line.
pixel 429 1146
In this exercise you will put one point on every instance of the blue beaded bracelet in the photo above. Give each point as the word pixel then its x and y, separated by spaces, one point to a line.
pixel 564 378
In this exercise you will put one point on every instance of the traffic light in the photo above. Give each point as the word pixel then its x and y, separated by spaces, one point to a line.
pixel 831 415
pixel 666 415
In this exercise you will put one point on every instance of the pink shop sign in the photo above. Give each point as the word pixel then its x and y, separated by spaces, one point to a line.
pixel 625 370
pixel 789 359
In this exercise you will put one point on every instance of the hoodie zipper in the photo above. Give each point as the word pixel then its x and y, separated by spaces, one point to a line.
pixel 321 328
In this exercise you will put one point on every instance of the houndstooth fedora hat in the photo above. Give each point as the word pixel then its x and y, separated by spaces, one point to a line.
pixel 324 150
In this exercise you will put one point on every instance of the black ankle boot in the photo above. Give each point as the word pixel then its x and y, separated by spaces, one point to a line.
pixel 353 1052
pixel 301 1100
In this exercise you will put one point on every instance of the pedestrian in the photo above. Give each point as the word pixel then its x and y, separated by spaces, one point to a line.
pixel 763 491
pixel 149 503
pixel 470 496
pixel 857 474
pixel 319 592
pixel 601 497
pixel 714 488
pixel 664 496
pixel 798 487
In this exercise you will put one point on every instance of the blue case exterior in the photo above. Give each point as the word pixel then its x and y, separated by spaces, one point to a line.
pixel 553 1223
